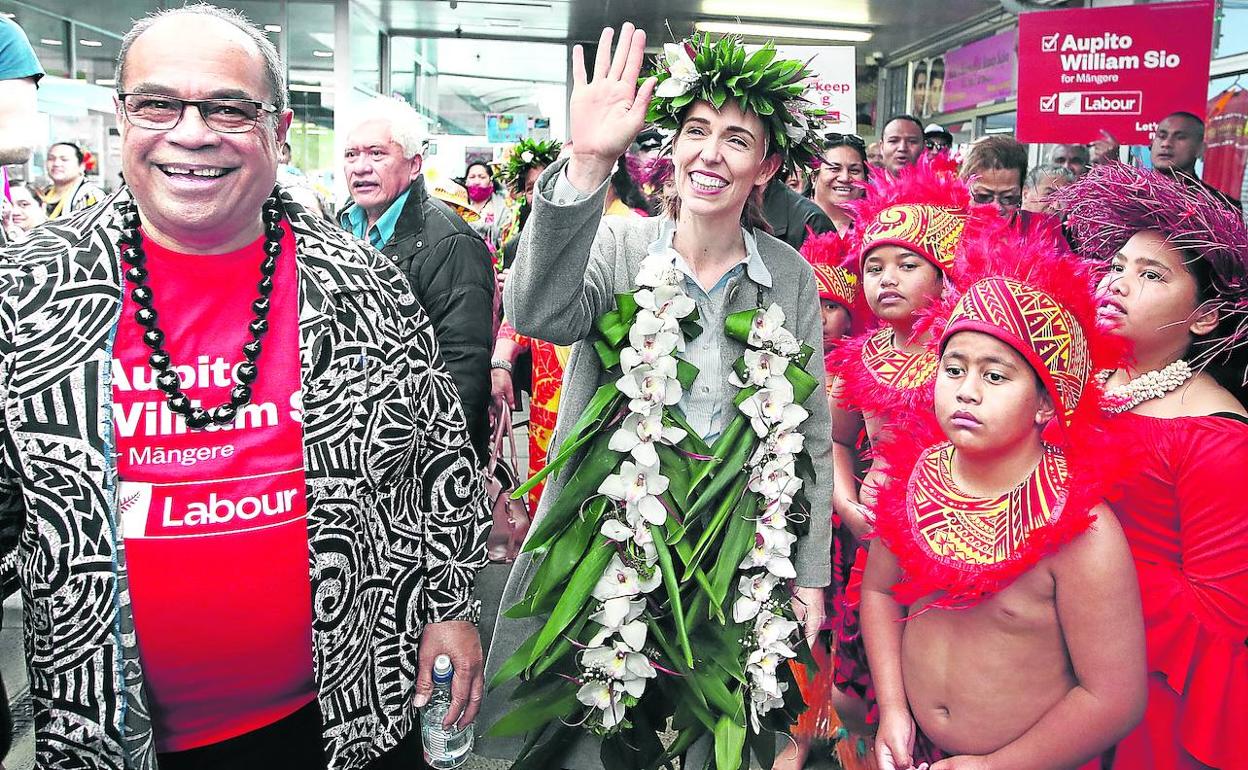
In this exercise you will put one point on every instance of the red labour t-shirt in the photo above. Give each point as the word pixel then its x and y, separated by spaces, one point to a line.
pixel 215 521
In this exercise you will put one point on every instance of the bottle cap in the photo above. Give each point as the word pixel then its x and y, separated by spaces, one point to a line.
pixel 442 669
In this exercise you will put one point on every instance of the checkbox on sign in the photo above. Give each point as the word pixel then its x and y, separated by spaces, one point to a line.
pixel 1048 103
pixel 1048 43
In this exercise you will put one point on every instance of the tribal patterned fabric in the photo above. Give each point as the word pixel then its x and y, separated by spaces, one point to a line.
pixel 397 518
pixel 895 368
pixel 960 529
pixel 1035 324
pixel 931 231
pixel 837 284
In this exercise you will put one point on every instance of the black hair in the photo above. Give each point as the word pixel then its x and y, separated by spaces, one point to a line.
pixel 77 150
pixel 626 189
pixel 1186 116
pixel 905 116
pixel 853 142
pixel 1229 367
pixel 488 172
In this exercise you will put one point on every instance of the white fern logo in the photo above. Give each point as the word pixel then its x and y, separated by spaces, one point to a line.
pixel 134 500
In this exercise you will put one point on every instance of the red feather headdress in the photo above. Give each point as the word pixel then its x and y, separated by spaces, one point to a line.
pixel 827 253
pixel 1115 201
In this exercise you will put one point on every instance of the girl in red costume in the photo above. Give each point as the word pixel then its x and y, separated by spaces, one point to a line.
pixel 905 233
pixel 1177 292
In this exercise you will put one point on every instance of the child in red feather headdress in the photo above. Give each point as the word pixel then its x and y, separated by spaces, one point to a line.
pixel 905 232
pixel 1000 607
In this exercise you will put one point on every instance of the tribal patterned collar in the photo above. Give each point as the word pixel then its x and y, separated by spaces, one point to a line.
pixel 966 548
pixel 877 377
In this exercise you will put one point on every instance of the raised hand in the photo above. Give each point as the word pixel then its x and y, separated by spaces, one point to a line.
pixel 606 113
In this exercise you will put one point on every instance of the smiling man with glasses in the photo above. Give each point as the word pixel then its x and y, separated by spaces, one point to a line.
pixel 248 516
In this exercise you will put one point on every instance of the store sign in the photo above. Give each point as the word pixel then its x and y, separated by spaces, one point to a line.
pixel 506 127
pixel 982 72
pixel 1121 69
pixel 832 86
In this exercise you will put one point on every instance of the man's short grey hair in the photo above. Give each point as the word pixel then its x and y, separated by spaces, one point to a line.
pixel 1039 173
pixel 407 127
pixel 274 72
pixel 1079 148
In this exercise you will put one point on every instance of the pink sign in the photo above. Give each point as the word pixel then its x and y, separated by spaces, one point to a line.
pixel 983 71
pixel 1121 69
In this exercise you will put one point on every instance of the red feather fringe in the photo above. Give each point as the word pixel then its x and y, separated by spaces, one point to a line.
pixel 862 392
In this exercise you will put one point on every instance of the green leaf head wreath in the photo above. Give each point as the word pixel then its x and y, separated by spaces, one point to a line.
pixel 527 154
pixel 698 69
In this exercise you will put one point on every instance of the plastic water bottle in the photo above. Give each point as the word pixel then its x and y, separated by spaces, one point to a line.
pixel 445 747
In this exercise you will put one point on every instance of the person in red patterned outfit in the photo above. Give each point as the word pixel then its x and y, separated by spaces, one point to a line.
pixel 905 231
pixel 1177 291
pixel 1000 607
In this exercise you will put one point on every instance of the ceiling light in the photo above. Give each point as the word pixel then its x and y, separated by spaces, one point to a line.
pixel 323 54
pixel 90 43
pixel 105 82
pixel 497 22
pixel 49 41
pixel 8 15
pixel 784 32
pixel 272 27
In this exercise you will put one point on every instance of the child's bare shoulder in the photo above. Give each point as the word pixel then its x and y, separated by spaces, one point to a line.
pixel 1100 552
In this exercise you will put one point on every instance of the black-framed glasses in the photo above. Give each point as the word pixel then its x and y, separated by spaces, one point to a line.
pixel 162 113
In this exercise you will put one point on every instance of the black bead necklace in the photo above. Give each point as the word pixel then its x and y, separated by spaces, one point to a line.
pixel 197 417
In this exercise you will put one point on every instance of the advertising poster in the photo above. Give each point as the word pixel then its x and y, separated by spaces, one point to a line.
pixel 832 87
pixel 981 72
pixel 1121 69
pixel 506 127
pixel 926 87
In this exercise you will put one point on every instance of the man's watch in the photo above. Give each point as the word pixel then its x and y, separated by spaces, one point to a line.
pixel 499 363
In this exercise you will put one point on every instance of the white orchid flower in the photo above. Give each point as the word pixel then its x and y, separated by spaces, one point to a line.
pixel 665 301
pixel 648 347
pixel 774 632
pixel 632 634
pixel 760 367
pixel 527 156
pixel 618 661
pixel 771 551
pixel 658 270
pixel 638 487
pixel 639 433
pixel 761 702
pixel 785 439
pixel 775 515
pixel 606 697
pixel 650 555
pixel 617 580
pixel 785 343
pixel 776 480
pixel 766 406
pixel 652 386
pixel 765 324
pixel 647 322
pixel 755 590
pixel 614 613
pixel 684 74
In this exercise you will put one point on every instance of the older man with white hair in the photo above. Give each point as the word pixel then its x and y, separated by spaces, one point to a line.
pixel 447 263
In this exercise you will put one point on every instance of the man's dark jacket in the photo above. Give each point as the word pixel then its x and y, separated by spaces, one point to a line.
pixel 452 276
pixel 789 214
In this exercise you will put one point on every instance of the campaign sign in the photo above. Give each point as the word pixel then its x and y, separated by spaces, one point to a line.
pixel 1121 69
pixel 831 87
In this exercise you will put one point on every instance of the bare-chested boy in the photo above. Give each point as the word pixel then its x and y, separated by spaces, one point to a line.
pixel 1022 644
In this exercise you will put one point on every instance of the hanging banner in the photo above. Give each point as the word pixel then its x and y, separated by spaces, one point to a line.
pixel 1226 141
pixel 1121 69
pixel 984 71
pixel 832 86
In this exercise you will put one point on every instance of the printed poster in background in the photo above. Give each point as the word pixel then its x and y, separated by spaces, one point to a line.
pixel 832 88
pixel 926 87
pixel 981 72
pixel 1226 141
pixel 1121 69
pixel 506 127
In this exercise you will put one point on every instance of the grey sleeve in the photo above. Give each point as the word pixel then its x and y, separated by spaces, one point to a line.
pixel 813 552
pixel 562 278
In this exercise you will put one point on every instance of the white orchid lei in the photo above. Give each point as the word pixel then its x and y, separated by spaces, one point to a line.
pixel 648 496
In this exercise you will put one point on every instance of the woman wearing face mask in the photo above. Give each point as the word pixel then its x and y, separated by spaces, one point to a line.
pixel 842 169
pixel 485 196
pixel 709 255
pixel 1176 292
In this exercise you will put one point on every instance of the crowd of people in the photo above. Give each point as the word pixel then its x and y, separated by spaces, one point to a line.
pixel 898 446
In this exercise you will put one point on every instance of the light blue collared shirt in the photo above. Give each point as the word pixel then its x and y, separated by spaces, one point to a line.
pixel 701 405
pixel 355 220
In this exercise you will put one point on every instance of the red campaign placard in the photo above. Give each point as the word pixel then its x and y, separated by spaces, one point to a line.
pixel 1121 69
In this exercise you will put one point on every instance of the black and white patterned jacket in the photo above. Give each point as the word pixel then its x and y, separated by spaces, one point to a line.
pixel 396 511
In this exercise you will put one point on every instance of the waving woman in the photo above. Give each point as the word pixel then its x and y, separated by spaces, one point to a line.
pixel 681 547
